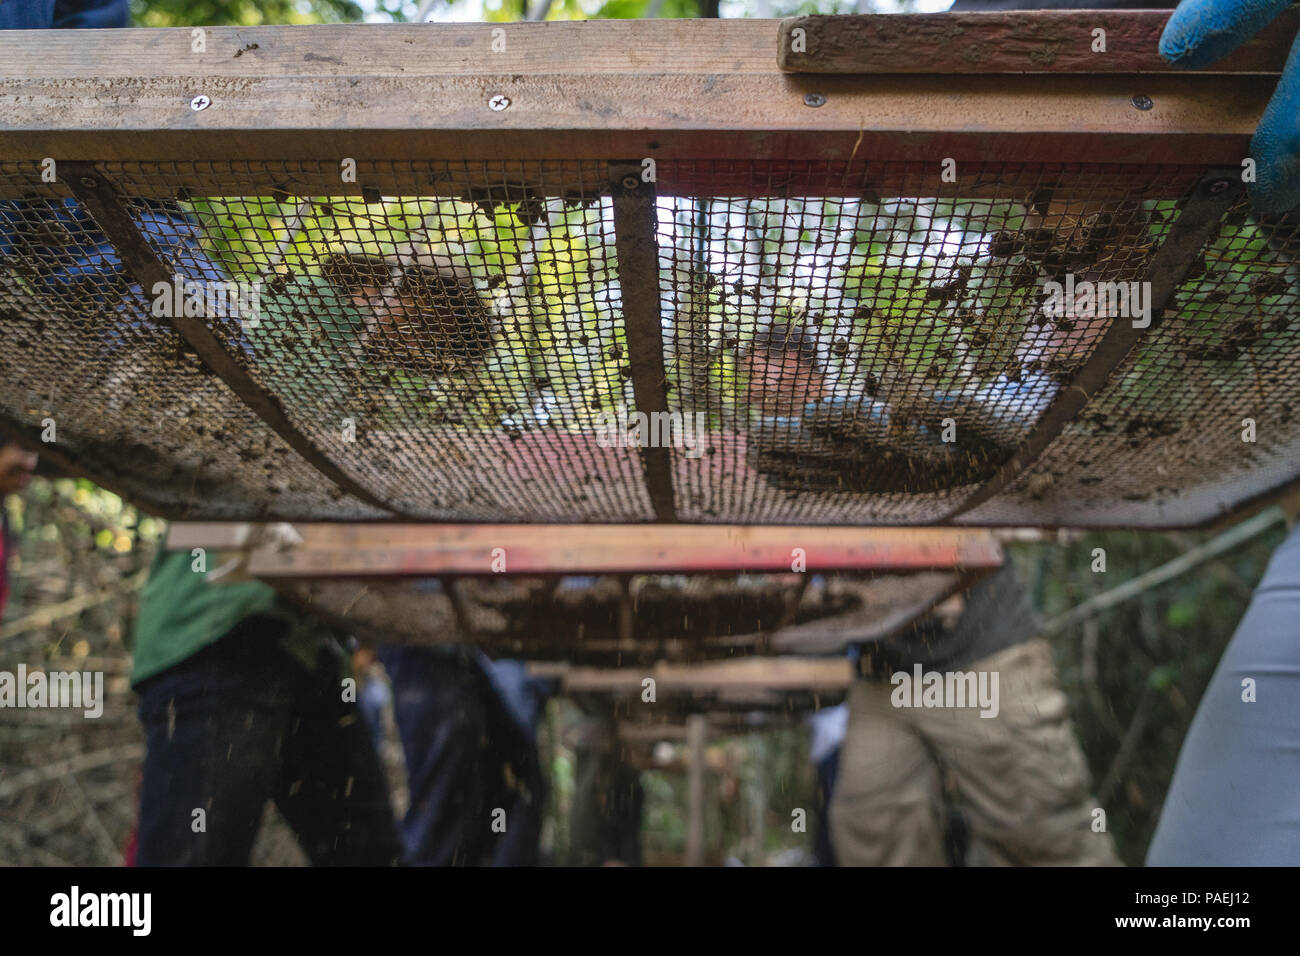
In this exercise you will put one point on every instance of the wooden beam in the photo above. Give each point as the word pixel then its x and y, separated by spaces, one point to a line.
pixel 434 549
pixel 1040 41
pixel 901 603
pixel 773 675
pixel 637 258
pixel 673 90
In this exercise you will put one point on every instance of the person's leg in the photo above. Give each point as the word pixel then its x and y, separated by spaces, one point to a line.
pixel 212 728
pixel 438 709
pixel 886 808
pixel 827 770
pixel 514 704
pixel 1235 796
pixel 331 786
pixel 1021 774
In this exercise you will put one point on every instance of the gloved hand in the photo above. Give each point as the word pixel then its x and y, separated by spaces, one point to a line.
pixel 1199 33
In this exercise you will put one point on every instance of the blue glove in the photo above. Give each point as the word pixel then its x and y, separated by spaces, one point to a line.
pixel 1203 31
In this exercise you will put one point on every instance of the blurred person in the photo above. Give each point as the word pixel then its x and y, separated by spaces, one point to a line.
pixel 1020 775
pixel 421 309
pixel 240 694
pixel 468 728
pixel 608 799
pixel 1233 799
pixel 826 736
pixel 77 14
pixel 242 701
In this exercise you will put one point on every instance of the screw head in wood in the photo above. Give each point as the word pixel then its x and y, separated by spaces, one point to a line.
pixel 498 102
pixel 631 182
pixel 1142 101
pixel 200 102
pixel 814 99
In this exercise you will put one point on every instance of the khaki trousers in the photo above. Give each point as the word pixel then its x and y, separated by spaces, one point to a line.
pixel 1021 777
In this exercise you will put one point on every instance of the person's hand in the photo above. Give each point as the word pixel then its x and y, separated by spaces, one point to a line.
pixel 1201 32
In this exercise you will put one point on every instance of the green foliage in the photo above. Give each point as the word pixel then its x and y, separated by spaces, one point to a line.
pixel 208 13
pixel 1137 671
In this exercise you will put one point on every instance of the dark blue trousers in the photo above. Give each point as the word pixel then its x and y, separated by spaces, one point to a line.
pixel 242 722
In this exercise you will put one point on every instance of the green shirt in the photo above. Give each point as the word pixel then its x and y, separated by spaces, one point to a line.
pixel 182 612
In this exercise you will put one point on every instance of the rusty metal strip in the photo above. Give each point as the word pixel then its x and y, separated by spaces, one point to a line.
pixel 104 203
pixel 637 250
pixel 1198 222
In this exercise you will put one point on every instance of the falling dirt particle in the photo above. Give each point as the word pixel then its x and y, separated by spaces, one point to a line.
pixel 1268 284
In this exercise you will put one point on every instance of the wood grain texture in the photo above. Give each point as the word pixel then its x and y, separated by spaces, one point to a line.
pixel 422 549
pixel 674 90
pixel 1040 41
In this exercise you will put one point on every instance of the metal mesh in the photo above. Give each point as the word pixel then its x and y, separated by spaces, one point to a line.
pixel 840 345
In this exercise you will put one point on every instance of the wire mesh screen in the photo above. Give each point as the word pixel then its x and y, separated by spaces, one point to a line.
pixel 839 345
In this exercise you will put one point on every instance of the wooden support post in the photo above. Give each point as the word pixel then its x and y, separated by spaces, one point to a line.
pixel 637 249
pixel 696 741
